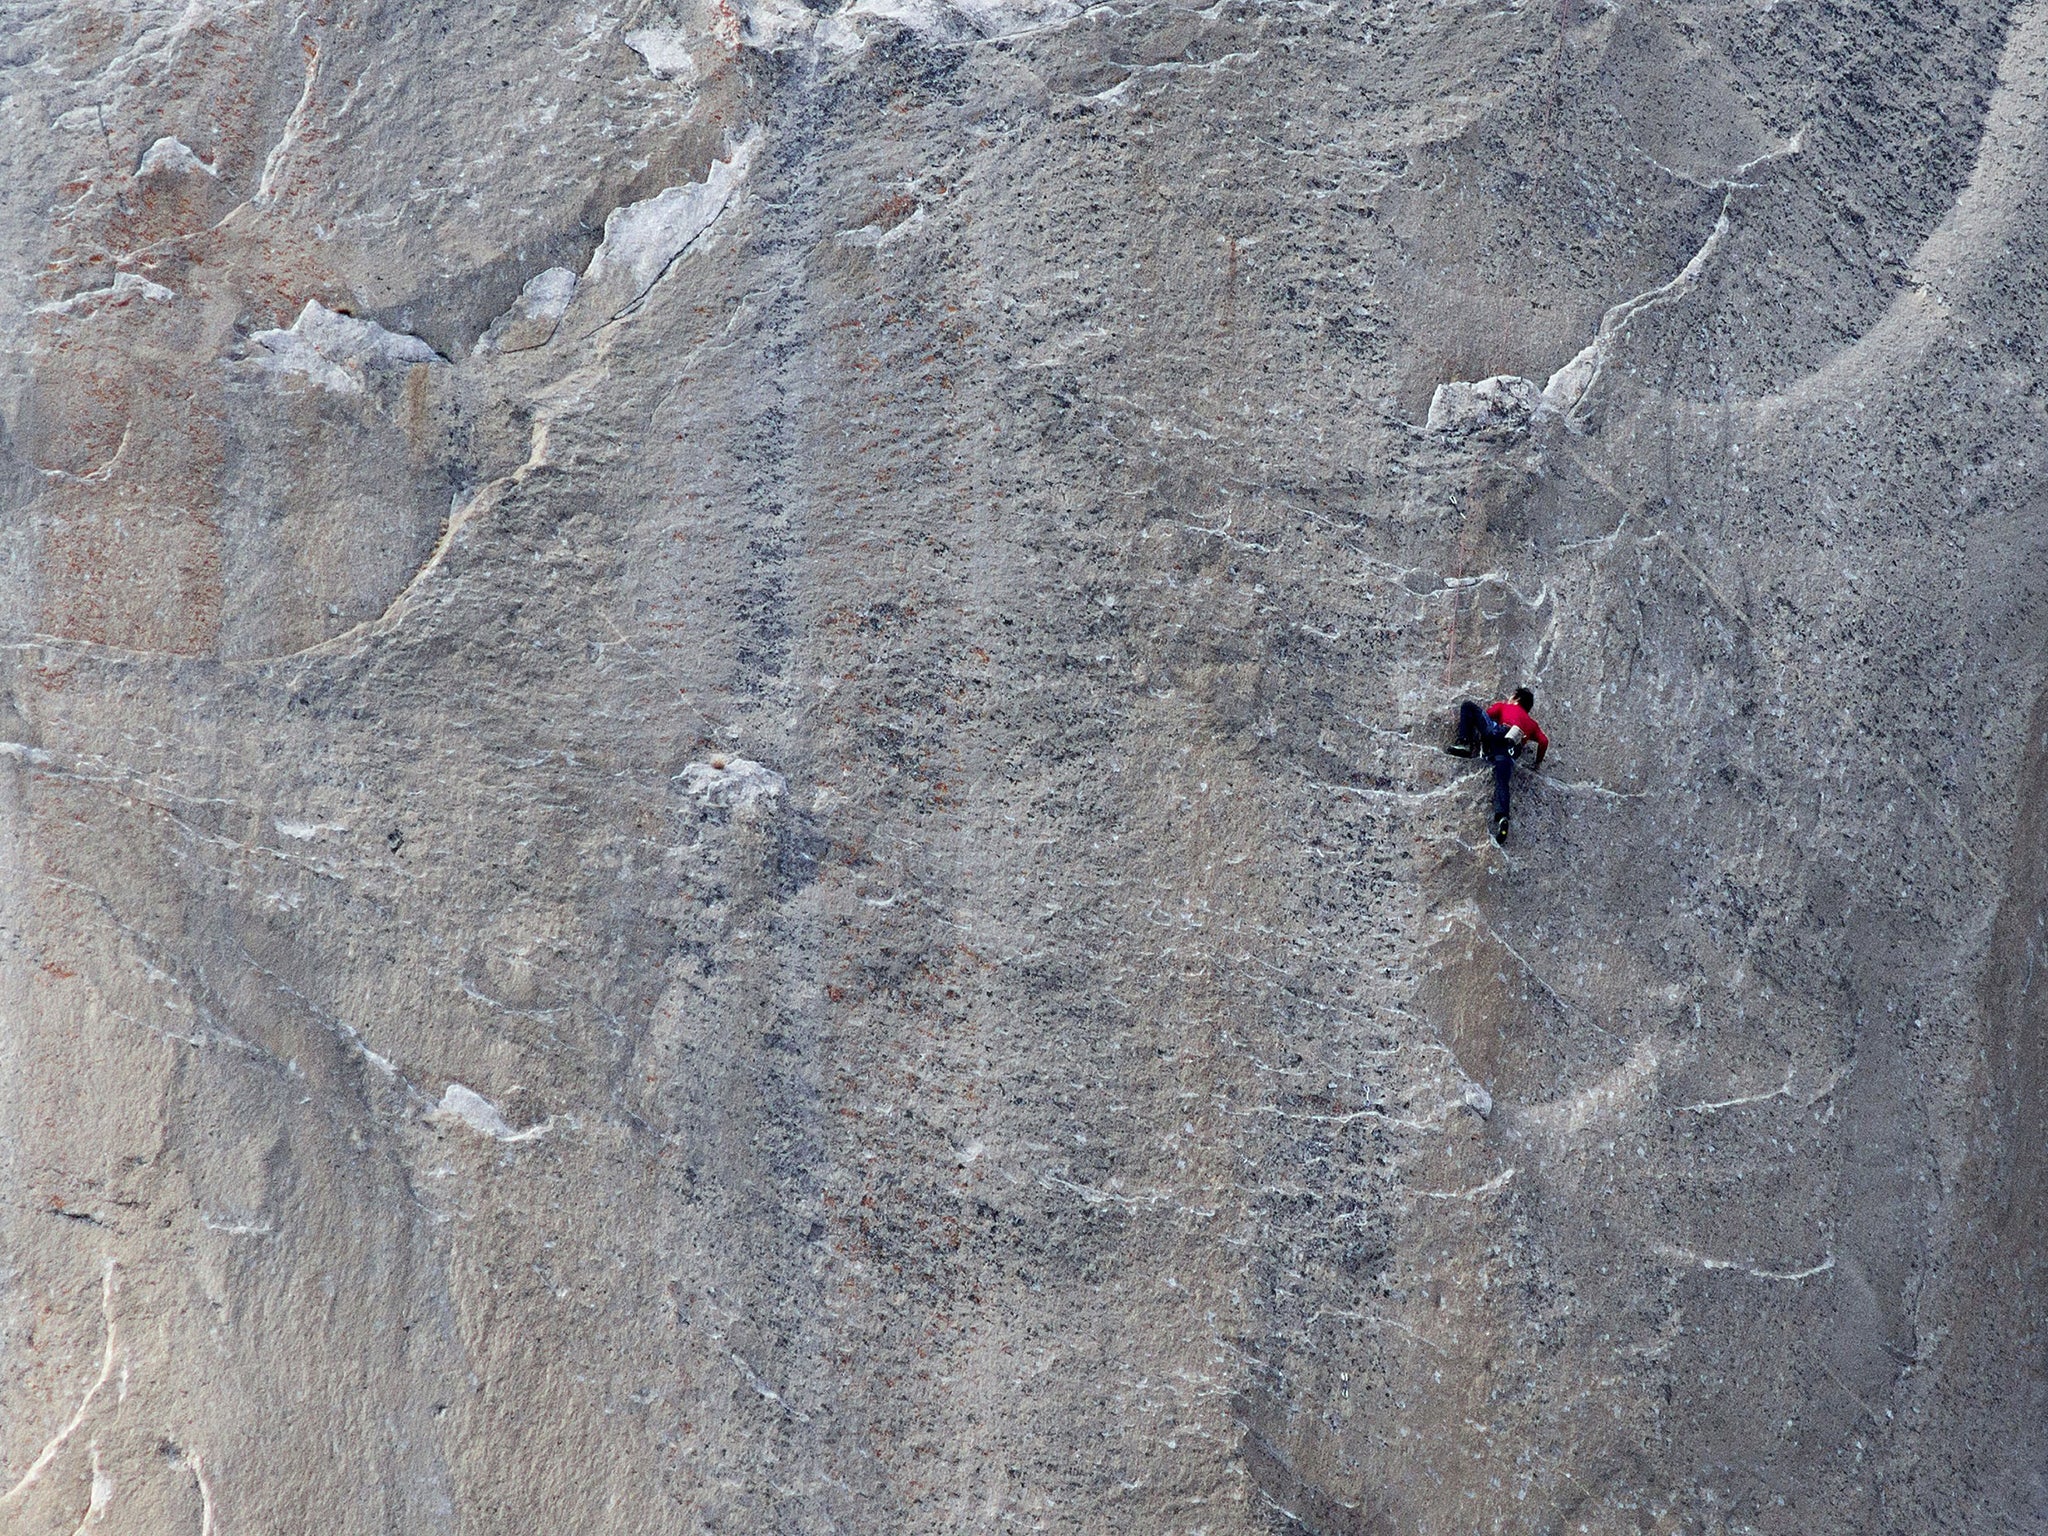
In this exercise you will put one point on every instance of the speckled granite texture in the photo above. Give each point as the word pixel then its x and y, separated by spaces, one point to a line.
pixel 720 796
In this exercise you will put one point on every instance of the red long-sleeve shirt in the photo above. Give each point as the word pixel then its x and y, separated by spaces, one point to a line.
pixel 1508 712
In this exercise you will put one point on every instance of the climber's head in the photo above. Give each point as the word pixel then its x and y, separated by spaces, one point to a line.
pixel 1526 698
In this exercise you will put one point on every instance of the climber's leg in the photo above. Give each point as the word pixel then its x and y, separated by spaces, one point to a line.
pixel 1503 771
pixel 1472 724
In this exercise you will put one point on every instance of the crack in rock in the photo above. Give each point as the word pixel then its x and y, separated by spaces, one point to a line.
pixel 643 240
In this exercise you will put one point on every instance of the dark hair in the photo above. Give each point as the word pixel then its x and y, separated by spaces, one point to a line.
pixel 1525 698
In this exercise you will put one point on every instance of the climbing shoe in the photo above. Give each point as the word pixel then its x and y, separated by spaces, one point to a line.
pixel 1462 749
pixel 1500 829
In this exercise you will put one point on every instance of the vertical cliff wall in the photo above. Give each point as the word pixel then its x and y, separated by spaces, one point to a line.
pixel 722 807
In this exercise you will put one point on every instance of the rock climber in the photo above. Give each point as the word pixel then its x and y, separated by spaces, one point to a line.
pixel 1498 733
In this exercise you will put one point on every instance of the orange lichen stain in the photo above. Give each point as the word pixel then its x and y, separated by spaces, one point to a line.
pixel 134 560
pixel 894 210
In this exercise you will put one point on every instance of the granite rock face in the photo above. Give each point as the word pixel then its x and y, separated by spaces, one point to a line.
pixel 722 807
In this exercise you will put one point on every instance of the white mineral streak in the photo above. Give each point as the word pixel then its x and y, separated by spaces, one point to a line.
pixel 779 26
pixel 1507 401
pixel 774 26
pixel 876 237
pixel 1503 401
pixel 1014 18
pixel 109 1358
pixel 334 350
pixel 532 319
pixel 732 783
pixel 667 53
pixel 126 285
pixel 277 163
pixel 468 1107
pixel 205 1487
pixel 1678 1255
pixel 173 155
pixel 1568 388
pixel 641 240
pixel 305 831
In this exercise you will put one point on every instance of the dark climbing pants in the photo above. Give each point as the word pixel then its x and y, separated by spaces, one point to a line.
pixel 1490 740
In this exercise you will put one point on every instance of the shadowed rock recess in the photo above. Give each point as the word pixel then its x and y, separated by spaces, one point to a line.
pixel 722 799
